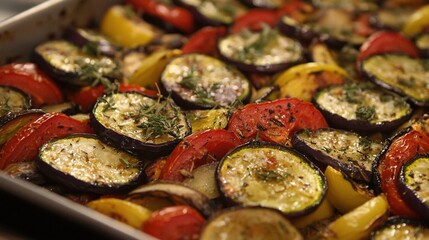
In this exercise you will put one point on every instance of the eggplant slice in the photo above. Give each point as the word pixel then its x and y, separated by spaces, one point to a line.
pixel 13 100
pixel 400 73
pixel 347 151
pixel 157 195
pixel 69 64
pixel 138 123
pixel 414 184
pixel 270 4
pixel 398 228
pixel 249 223
pixel 197 81
pixel 84 163
pixel 267 175
pixel 266 51
pixel 13 121
pixel 362 107
pixel 91 42
pixel 213 12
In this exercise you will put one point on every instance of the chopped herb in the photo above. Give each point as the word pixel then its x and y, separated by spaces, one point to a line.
pixel 270 175
pixel 128 164
pixel 109 104
pixel 190 80
pixel 96 72
pixel 91 48
pixel 366 113
pixel 256 47
pixel 365 142
pixel 386 97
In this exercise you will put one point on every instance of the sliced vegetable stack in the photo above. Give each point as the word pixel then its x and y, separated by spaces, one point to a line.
pixel 192 119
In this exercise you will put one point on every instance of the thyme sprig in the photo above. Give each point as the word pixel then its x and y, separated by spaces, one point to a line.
pixel 257 46
pixel 91 70
pixel 161 119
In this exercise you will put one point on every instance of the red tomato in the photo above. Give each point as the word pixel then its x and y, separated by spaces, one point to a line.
pixel 253 20
pixel 204 41
pixel 87 96
pixel 176 222
pixel 179 17
pixel 400 151
pixel 197 149
pixel 25 144
pixel 275 121
pixel 387 42
pixel 30 79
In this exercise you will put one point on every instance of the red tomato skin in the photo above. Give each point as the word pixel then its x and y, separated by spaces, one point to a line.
pixel 253 20
pixel 275 121
pixel 31 80
pixel 87 96
pixel 176 222
pixel 204 40
pixel 179 17
pixel 197 149
pixel 25 144
pixel 387 42
pixel 400 151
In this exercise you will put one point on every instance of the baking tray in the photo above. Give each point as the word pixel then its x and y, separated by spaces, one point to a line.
pixel 24 205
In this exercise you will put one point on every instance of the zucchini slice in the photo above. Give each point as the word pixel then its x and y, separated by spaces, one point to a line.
pixel 400 73
pixel 414 184
pixel 261 174
pixel 398 228
pixel 197 81
pixel 67 63
pixel 343 150
pixel 84 163
pixel 249 223
pixel 135 122
pixel 362 107
pixel 13 100
pixel 214 12
pixel 265 51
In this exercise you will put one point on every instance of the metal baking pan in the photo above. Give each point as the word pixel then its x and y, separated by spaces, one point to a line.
pixel 28 211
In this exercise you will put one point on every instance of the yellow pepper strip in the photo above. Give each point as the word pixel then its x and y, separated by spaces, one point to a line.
pixel 341 193
pixel 151 68
pixel 124 211
pixel 126 30
pixel 416 22
pixel 324 211
pixel 301 81
pixel 359 223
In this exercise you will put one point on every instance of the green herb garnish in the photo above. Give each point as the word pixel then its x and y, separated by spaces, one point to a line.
pixel 270 175
pixel 366 113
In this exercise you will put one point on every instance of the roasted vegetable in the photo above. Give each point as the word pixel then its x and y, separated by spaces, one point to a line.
pixel 13 100
pixel 397 228
pixel 271 176
pixel 13 121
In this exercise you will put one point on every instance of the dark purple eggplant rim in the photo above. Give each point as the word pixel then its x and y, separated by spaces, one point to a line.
pixel 351 170
pixel 188 105
pixel 27 96
pixel 79 185
pixel 381 83
pixel 171 191
pixel 408 194
pixel 129 144
pixel 233 209
pixel 104 47
pixel 357 125
pixel 251 68
pixel 256 144
pixel 11 116
pixel 397 220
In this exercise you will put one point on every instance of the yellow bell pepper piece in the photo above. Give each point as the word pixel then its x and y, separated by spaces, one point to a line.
pixel 324 211
pixel 124 211
pixel 341 193
pixel 151 68
pixel 126 30
pixel 359 223
pixel 416 22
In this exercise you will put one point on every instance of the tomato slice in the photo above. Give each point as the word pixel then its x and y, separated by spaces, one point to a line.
pixel 400 151
pixel 176 222
pixel 387 42
pixel 204 41
pixel 87 96
pixel 275 121
pixel 253 20
pixel 197 149
pixel 25 144
pixel 179 17
pixel 31 80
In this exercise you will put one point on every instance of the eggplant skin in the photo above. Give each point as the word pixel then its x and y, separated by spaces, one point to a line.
pixel 401 228
pixel 13 121
pixel 243 185
pixel 104 170
pixel 413 182
pixel 235 223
